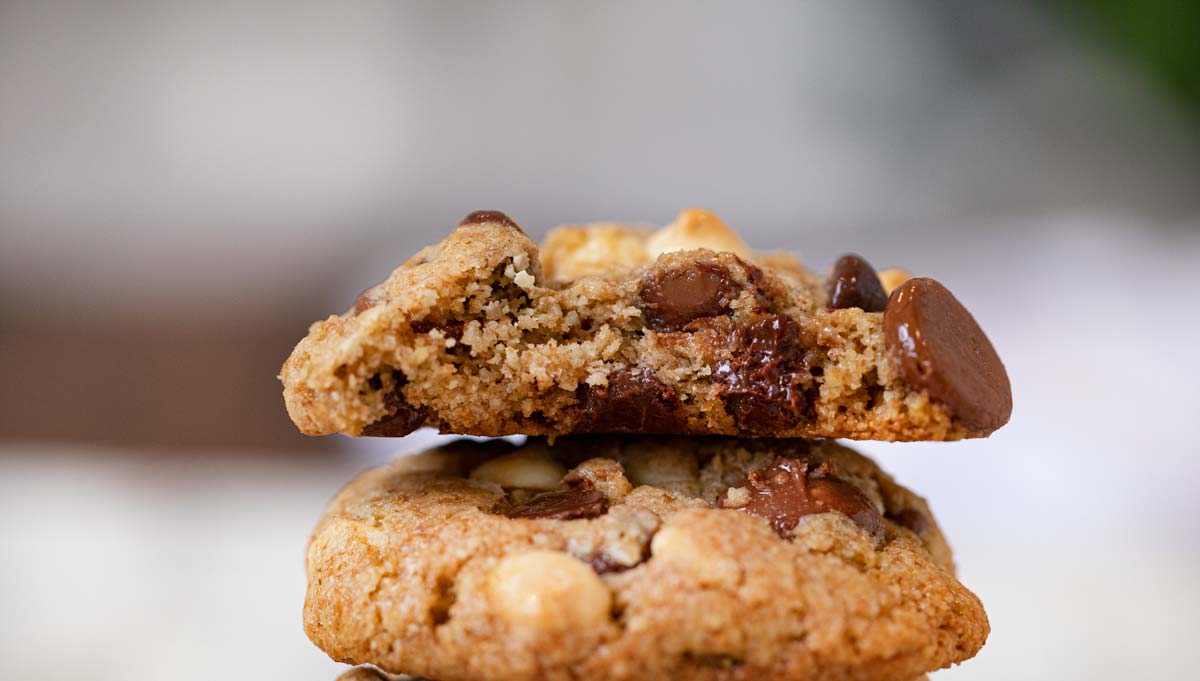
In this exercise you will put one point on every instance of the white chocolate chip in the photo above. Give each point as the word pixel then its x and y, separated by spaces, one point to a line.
pixel 680 547
pixel 601 473
pixel 696 229
pixel 660 467
pixel 736 497
pixel 521 470
pixel 573 252
pixel 548 590
pixel 524 279
pixel 891 278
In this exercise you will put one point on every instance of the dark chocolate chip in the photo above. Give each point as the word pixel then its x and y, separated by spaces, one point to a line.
pixel 603 563
pixel 570 504
pixel 854 283
pixel 634 401
pixel 913 519
pixel 401 419
pixel 670 299
pixel 765 376
pixel 787 489
pixel 481 217
pixel 940 348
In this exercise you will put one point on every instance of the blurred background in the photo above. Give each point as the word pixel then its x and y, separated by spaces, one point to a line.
pixel 185 186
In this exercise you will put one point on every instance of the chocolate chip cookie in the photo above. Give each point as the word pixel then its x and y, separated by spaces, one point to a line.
pixel 370 673
pixel 613 329
pixel 637 558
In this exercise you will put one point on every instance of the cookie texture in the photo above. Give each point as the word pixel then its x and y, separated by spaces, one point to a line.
pixel 370 673
pixel 614 329
pixel 637 558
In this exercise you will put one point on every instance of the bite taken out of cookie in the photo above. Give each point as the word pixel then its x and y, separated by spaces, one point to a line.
pixel 616 329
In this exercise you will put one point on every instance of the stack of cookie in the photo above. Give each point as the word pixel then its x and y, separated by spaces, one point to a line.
pixel 678 509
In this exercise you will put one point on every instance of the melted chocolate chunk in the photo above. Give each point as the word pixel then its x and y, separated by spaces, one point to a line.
pixel 402 418
pixel 854 283
pixel 570 504
pixel 634 401
pixel 765 376
pixel 670 299
pixel 912 519
pixel 941 349
pixel 481 217
pixel 787 489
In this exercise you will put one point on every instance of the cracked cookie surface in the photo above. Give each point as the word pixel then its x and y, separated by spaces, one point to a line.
pixel 612 329
pixel 637 558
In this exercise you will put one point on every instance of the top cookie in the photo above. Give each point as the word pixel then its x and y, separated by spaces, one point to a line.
pixel 613 329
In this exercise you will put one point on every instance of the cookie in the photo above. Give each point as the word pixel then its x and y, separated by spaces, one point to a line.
pixel 611 329
pixel 637 558
pixel 370 673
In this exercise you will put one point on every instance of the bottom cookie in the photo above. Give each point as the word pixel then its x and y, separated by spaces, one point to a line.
pixel 372 673
pixel 637 558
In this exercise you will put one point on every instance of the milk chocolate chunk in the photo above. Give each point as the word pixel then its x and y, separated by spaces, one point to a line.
pixel 765 376
pixel 401 419
pixel 787 489
pixel 480 217
pixel 671 299
pixel 634 401
pixel 854 283
pixel 570 504
pixel 940 348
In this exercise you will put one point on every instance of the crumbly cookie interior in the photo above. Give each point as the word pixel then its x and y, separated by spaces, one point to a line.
pixel 472 337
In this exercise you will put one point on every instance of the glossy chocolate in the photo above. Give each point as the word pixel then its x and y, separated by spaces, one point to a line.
pixel 765 376
pixel 671 299
pixel 481 217
pixel 854 283
pixel 939 348
pixel 787 489
pixel 634 401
